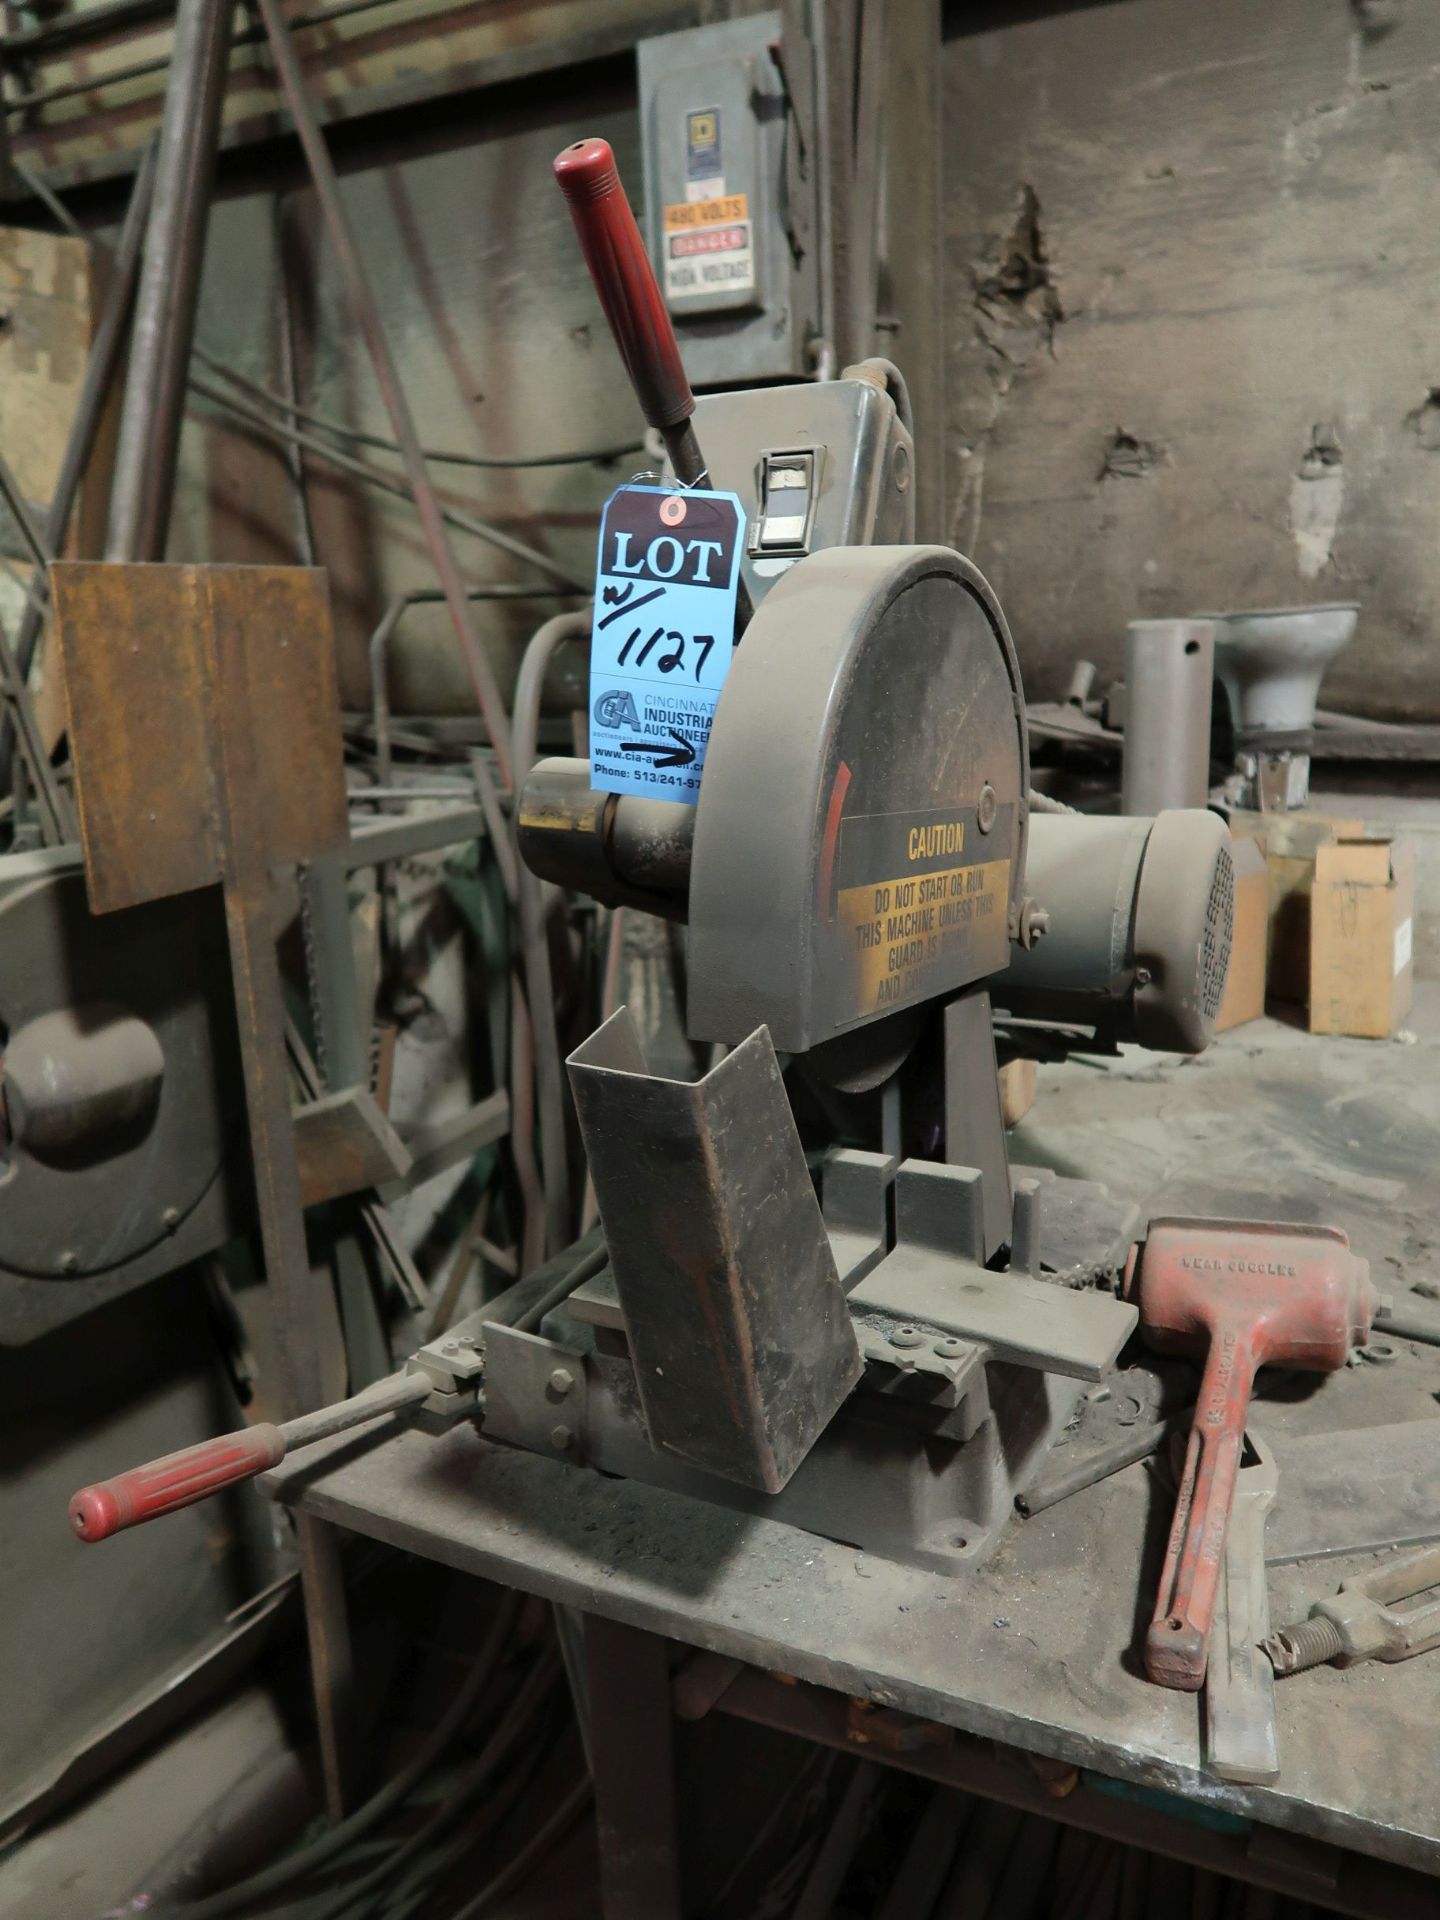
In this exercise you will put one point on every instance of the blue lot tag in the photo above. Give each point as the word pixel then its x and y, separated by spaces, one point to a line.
pixel 663 637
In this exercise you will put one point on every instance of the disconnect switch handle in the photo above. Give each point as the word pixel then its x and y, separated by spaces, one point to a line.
pixel 178 1480
pixel 625 281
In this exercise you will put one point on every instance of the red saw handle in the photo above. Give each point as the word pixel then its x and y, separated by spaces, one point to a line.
pixel 625 281
pixel 179 1480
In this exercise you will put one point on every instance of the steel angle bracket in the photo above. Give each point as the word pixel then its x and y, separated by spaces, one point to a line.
pixel 535 1393
pixel 739 1332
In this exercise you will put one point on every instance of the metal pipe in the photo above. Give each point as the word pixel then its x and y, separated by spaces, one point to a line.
pixel 620 849
pixel 1169 671
pixel 379 651
pixel 1409 1326
pixel 555 1295
pixel 105 351
pixel 534 945
pixel 1122 1450
pixel 149 444
pixel 367 316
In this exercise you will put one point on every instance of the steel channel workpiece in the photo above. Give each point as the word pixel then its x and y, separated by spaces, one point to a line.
pixel 1361 1623
pixel 1242 1294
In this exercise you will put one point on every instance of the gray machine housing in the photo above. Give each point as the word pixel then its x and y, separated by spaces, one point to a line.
pixel 864 464
pixel 872 728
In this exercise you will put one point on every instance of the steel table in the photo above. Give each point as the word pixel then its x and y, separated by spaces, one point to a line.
pixel 1038 1650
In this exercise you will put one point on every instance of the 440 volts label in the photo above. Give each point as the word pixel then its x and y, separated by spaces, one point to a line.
pixel 708 247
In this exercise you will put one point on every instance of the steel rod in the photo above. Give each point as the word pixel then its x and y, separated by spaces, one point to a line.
pixel 593 456
pixel 379 650
pixel 367 316
pixel 57 822
pixel 534 942
pixel 57 819
pixel 149 444
pixel 387 483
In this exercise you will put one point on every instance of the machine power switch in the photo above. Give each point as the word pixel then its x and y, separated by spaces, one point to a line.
pixel 787 502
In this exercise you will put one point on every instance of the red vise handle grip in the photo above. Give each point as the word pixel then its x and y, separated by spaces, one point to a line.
pixel 178 1480
pixel 625 281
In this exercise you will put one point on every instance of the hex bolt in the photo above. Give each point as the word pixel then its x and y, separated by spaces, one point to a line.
pixel 561 1437
pixel 561 1381
pixel 987 808
pixel 907 1337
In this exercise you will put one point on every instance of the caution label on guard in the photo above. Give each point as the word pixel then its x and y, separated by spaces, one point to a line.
pixel 708 247
pixel 919 909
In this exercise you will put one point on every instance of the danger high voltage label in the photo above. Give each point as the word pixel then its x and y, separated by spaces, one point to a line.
pixel 920 907
pixel 708 247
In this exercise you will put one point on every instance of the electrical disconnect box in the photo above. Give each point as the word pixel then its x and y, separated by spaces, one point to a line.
pixel 730 202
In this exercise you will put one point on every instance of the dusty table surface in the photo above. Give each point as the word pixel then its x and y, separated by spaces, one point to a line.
pixel 1039 1648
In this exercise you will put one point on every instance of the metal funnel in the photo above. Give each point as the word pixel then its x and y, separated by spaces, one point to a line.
pixel 1271 662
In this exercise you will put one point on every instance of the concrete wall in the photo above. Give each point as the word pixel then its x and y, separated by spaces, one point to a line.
pixel 1191 254
pixel 1194 252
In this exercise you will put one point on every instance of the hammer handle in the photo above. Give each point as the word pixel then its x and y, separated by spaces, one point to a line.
pixel 1178 1644
pixel 625 282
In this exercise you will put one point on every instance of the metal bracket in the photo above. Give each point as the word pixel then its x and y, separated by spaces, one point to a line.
pixel 934 1280
pixel 536 1393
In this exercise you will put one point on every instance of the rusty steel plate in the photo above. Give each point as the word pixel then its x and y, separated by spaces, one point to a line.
pixel 173 672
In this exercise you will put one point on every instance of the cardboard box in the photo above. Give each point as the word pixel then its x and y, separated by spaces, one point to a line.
pixel 1362 910
pixel 1291 841
pixel 1245 984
